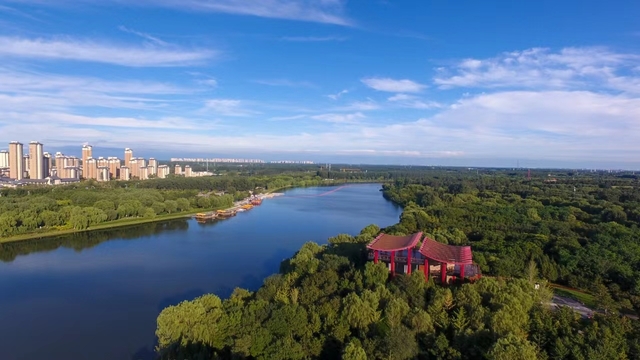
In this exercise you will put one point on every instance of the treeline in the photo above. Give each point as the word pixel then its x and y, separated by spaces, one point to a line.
pixel 581 230
pixel 327 302
pixel 89 203
pixel 82 207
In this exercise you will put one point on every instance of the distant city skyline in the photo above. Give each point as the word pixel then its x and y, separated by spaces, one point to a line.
pixel 381 82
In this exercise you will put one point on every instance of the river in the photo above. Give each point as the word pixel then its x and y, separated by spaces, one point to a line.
pixel 96 295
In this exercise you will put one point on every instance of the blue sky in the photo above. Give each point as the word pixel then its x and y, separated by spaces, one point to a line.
pixel 545 83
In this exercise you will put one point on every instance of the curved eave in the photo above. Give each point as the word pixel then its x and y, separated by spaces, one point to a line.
pixel 449 254
pixel 384 242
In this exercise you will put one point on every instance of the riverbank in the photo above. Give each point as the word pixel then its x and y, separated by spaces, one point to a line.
pixel 109 225
pixel 140 220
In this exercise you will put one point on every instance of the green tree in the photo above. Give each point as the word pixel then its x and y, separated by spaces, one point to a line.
pixel 512 347
pixel 353 351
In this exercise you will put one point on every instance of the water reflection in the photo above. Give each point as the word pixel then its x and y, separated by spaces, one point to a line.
pixel 85 240
pixel 96 295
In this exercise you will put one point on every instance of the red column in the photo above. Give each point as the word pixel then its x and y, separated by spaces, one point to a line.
pixel 462 272
pixel 375 256
pixel 426 269
pixel 443 273
pixel 393 263
pixel 408 261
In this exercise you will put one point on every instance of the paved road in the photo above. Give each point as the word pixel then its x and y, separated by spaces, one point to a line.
pixel 577 306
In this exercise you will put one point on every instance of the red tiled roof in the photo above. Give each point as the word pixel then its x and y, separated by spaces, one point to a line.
pixel 446 253
pixel 386 242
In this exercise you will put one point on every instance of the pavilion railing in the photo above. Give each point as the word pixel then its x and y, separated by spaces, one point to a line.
pixel 398 259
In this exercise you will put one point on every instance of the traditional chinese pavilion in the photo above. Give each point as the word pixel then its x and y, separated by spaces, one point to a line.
pixel 402 255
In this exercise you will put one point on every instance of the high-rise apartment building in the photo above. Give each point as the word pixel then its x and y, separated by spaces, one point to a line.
pixel 60 163
pixel 143 173
pixel 128 155
pixel 87 152
pixel 90 170
pixel 16 160
pixel 114 167
pixel 73 161
pixel 177 169
pixel 153 166
pixel 70 172
pixel 4 159
pixel 163 171
pixel 25 166
pixel 134 168
pixel 187 171
pixel 36 161
pixel 48 164
pixel 125 173
pixel 103 173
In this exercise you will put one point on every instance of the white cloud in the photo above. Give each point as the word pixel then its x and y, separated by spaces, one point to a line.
pixel 209 82
pixel 541 68
pixel 551 125
pixel 227 107
pixel 37 91
pixel 360 106
pixel 414 102
pixel 91 51
pixel 392 85
pixel 286 118
pixel 320 11
pixel 90 122
pixel 339 118
pixel 146 36
pixel 338 95
pixel 313 38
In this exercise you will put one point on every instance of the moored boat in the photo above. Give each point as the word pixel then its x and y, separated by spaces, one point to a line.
pixel 205 216
pixel 226 213
pixel 256 202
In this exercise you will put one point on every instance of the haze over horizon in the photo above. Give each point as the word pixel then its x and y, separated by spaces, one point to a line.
pixel 545 83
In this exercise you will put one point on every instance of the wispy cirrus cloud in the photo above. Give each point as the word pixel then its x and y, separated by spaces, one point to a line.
pixel 542 68
pixel 340 118
pixel 414 102
pixel 228 107
pixel 37 91
pixel 313 38
pixel 145 36
pixel 367 105
pixel 288 118
pixel 393 85
pixel 338 94
pixel 65 48
pixel 320 11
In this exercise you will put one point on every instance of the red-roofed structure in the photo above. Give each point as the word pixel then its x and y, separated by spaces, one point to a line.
pixel 402 249
pixel 445 255
pixel 390 245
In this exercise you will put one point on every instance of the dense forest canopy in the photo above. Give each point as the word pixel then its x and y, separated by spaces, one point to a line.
pixel 327 302
pixel 581 230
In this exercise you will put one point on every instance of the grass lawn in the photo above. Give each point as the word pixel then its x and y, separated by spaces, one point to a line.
pixel 585 298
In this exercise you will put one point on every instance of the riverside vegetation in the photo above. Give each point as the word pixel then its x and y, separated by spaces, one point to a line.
pixel 328 302
pixel 41 211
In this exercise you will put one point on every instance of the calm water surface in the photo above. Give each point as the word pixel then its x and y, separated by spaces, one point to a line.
pixel 97 295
